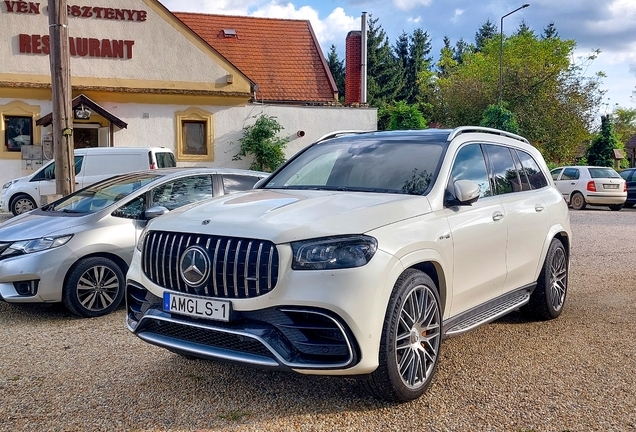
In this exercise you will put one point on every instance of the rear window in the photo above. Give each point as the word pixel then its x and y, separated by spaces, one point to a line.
pixel 165 160
pixel 603 173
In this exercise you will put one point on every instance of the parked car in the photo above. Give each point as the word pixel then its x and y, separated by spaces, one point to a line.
pixel 76 250
pixel 583 185
pixel 91 165
pixel 630 178
pixel 358 256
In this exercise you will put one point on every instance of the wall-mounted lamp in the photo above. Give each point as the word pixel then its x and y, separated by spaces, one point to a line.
pixel 300 134
pixel 82 112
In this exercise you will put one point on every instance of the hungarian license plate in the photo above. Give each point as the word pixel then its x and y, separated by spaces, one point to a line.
pixel 199 307
pixel 610 186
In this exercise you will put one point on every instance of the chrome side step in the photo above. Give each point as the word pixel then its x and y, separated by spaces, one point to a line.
pixel 491 311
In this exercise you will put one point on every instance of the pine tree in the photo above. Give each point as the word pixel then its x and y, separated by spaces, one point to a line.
pixel 550 32
pixel 461 49
pixel 524 29
pixel 446 58
pixel 384 75
pixel 487 31
pixel 336 66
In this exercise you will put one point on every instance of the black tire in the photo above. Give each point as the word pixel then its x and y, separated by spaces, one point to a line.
pixel 410 347
pixel 616 207
pixel 95 287
pixel 22 203
pixel 548 298
pixel 578 201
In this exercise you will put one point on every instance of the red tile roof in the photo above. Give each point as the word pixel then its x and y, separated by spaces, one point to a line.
pixel 281 56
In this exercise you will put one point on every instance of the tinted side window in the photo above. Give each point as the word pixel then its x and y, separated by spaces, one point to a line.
pixel 133 209
pixel 165 160
pixel 525 183
pixel 625 174
pixel 570 174
pixel 182 191
pixel 237 183
pixel 531 168
pixel 470 165
pixel 504 173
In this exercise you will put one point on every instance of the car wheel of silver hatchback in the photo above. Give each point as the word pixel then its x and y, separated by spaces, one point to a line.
pixel 411 340
pixel 94 287
pixel 22 204
pixel 578 201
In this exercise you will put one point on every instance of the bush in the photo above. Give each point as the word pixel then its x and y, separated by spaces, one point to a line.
pixel 260 141
pixel 498 117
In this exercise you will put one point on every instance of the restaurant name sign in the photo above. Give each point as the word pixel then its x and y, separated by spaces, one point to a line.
pixel 78 46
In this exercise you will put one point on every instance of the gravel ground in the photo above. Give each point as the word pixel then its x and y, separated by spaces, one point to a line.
pixel 575 373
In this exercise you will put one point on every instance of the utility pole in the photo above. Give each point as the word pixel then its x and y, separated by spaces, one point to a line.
pixel 61 86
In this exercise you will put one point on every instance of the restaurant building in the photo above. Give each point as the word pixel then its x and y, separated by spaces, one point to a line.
pixel 143 76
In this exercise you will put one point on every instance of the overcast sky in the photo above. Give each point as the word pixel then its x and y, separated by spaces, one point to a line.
pixel 609 26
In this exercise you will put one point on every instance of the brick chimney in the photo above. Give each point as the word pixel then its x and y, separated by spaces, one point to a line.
pixel 353 68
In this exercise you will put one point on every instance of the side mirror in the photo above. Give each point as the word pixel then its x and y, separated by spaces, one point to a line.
pixel 155 211
pixel 466 191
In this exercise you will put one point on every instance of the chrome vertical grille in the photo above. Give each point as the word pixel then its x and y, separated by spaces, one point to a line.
pixel 239 267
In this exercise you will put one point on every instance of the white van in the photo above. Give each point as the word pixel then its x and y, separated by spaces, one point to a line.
pixel 91 165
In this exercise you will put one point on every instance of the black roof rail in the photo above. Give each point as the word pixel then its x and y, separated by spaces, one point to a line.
pixel 466 129
pixel 341 133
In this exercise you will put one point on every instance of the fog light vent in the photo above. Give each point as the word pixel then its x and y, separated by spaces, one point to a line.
pixel 27 288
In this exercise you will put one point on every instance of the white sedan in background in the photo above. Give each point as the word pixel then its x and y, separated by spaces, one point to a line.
pixel 583 185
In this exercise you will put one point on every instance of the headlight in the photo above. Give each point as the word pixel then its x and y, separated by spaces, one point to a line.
pixel 30 246
pixel 142 238
pixel 6 185
pixel 333 252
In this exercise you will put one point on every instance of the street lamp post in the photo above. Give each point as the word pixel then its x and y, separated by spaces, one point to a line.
pixel 501 50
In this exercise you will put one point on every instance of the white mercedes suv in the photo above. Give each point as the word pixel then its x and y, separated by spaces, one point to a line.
pixel 358 256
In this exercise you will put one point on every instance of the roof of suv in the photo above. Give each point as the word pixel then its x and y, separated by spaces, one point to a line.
pixel 432 134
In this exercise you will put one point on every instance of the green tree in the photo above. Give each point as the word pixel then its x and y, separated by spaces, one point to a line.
pixel 498 117
pixel 554 103
pixel 419 63
pixel 446 62
pixel 624 120
pixel 384 74
pixel 260 141
pixel 601 151
pixel 336 66
pixel 524 30
pixel 487 31
pixel 403 116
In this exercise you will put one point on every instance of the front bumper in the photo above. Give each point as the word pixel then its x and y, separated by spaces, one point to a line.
pixel 317 322
pixel 44 270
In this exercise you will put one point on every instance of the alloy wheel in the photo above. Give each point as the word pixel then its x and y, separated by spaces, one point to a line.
pixel 418 337
pixel 558 278
pixel 97 288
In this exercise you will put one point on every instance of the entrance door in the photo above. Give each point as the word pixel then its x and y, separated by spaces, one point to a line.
pixel 85 137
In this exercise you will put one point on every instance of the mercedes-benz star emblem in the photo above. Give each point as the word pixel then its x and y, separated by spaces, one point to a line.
pixel 194 266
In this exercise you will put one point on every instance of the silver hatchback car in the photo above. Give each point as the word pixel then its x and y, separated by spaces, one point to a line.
pixel 77 249
pixel 583 185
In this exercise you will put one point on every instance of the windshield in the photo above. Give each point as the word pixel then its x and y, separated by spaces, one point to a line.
pixel 388 164
pixel 100 195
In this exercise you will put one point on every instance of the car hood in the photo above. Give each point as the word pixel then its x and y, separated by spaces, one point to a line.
pixel 38 224
pixel 289 215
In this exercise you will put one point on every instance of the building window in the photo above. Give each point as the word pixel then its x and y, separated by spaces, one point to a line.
pixel 17 128
pixel 18 132
pixel 195 135
pixel 194 138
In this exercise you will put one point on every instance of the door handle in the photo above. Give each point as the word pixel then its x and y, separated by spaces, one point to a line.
pixel 497 216
pixel 539 208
